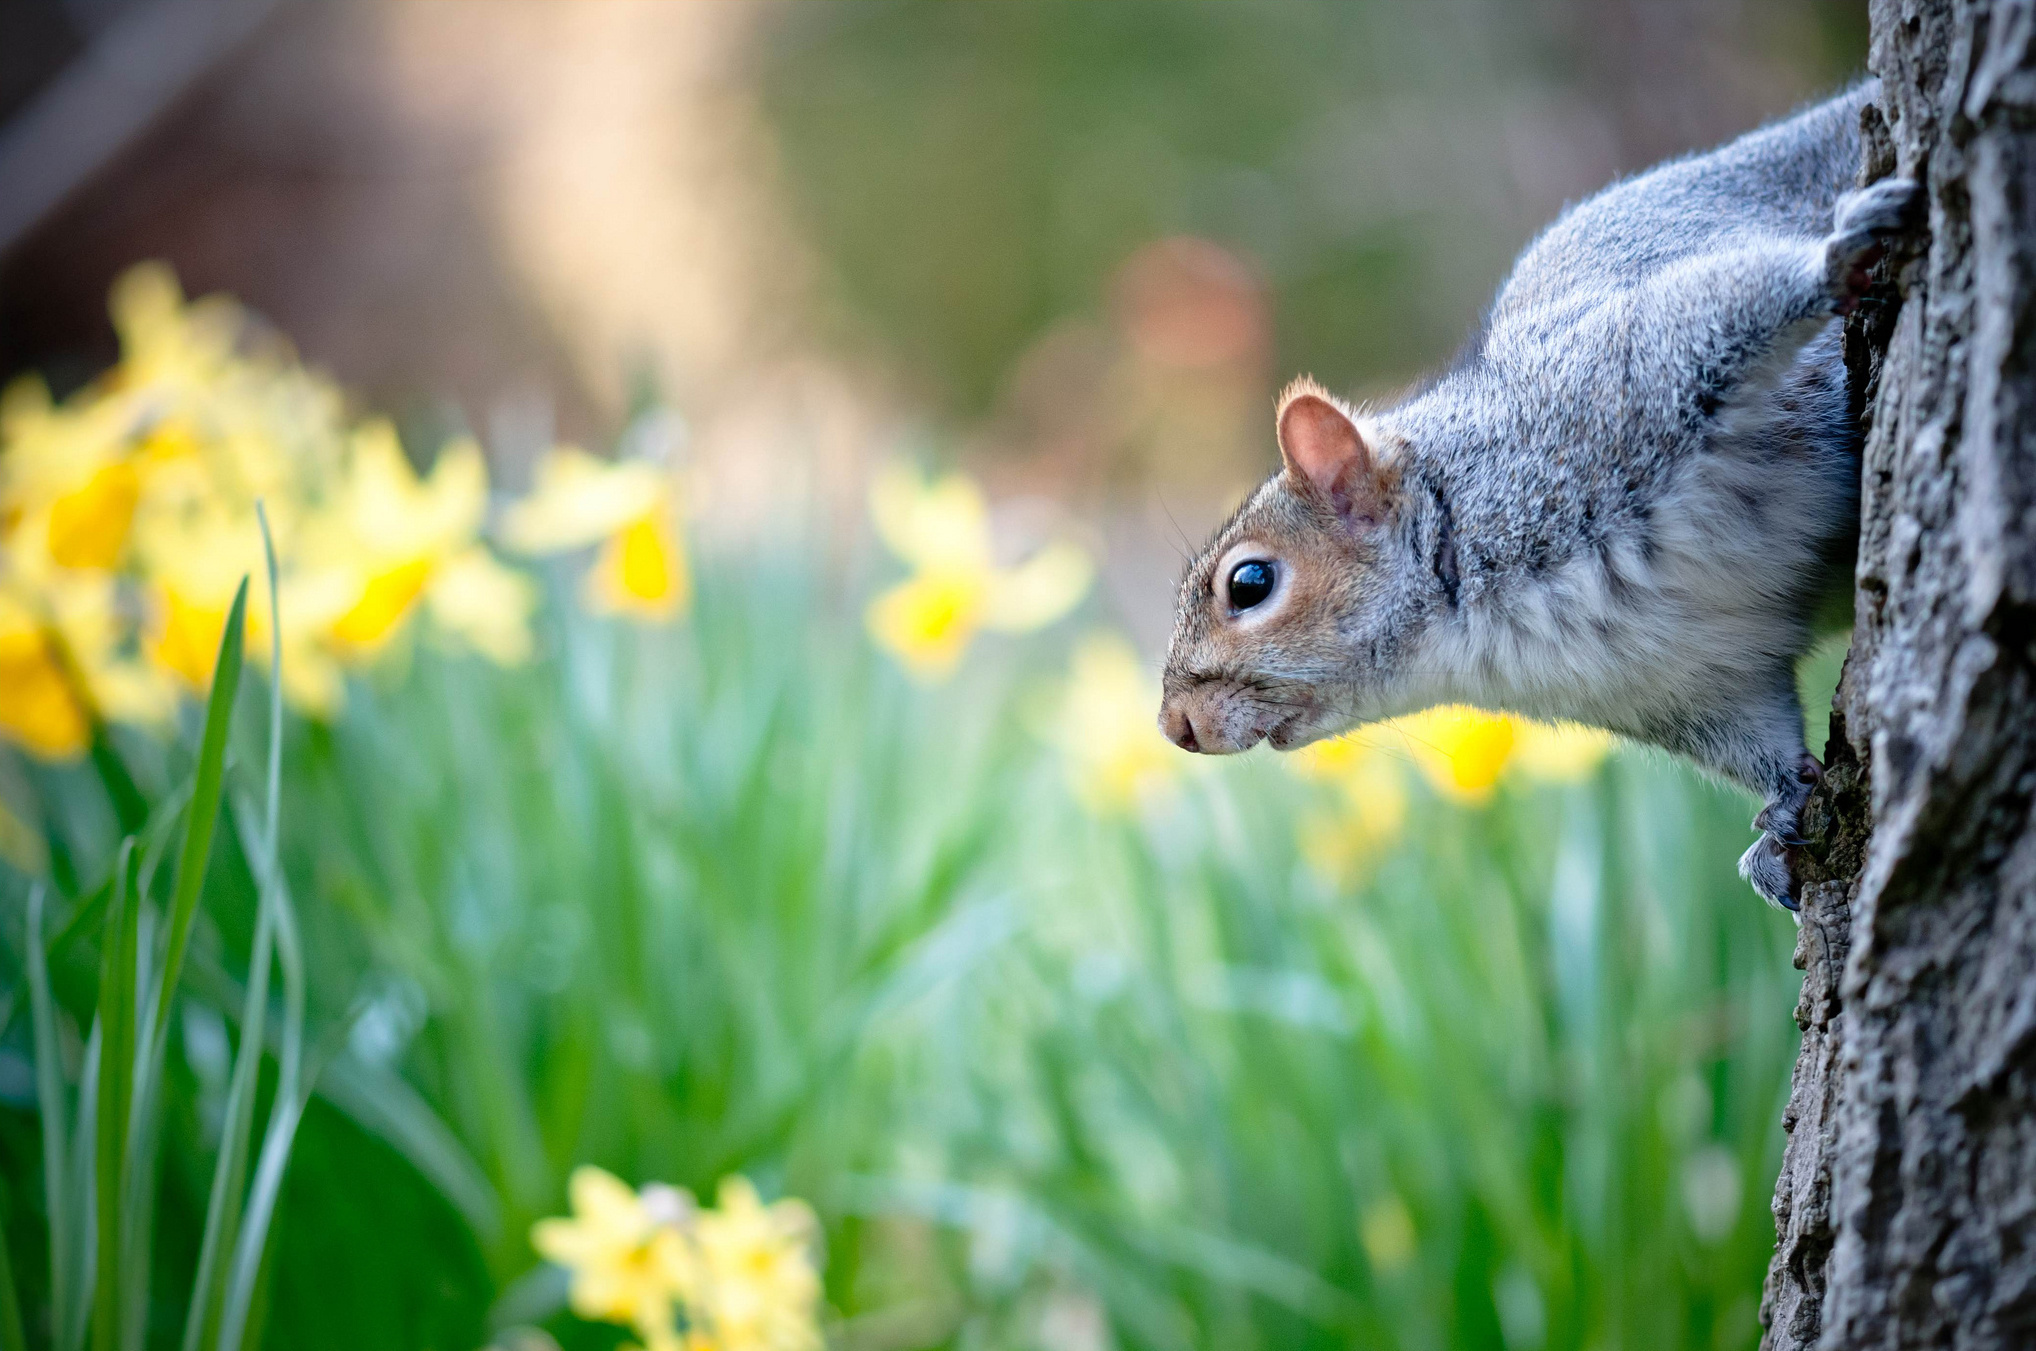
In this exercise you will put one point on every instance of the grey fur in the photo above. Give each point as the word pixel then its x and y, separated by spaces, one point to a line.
pixel 1621 506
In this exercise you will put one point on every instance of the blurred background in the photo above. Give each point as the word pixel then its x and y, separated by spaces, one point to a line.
pixel 1444 1043
pixel 1077 245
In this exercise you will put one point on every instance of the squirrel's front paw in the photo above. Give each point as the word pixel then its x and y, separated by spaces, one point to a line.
pixel 1768 865
pixel 1766 868
pixel 1862 224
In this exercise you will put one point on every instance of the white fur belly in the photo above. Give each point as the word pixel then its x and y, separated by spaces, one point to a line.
pixel 1678 614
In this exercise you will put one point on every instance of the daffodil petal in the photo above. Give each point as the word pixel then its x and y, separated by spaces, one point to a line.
pixel 1110 741
pixel 39 710
pixel 1560 752
pixel 1461 751
pixel 1039 590
pixel 484 603
pixel 942 525
pixel 579 500
pixel 641 572
pixel 927 621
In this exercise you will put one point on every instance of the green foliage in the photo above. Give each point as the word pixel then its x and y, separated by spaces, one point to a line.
pixel 975 173
pixel 734 896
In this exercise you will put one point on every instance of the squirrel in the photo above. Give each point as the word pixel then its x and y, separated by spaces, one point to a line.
pixel 1620 506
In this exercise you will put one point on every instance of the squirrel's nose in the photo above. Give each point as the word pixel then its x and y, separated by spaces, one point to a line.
pixel 1178 728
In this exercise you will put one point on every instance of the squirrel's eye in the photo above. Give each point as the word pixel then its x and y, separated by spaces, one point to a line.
pixel 1250 583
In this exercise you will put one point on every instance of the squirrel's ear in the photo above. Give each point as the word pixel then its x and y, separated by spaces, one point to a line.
pixel 1326 455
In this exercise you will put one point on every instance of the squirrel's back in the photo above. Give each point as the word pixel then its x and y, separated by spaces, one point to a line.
pixel 1781 180
pixel 1594 382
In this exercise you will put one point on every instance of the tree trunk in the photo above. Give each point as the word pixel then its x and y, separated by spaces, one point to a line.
pixel 1906 1207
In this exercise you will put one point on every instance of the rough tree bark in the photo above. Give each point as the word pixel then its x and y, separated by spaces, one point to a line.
pixel 1906 1208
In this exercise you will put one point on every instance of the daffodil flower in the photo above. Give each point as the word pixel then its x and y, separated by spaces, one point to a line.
pixel 127 519
pixel 941 529
pixel 1560 752
pixel 740 1276
pixel 626 1264
pixel 68 491
pixel 757 1287
pixel 1370 810
pixel 624 506
pixel 39 709
pixel 1114 755
pixel 1463 752
pixel 1460 751
pixel 398 541
pixel 62 664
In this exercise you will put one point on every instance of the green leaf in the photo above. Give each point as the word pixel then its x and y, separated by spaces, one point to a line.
pixel 12 1338
pixel 56 1131
pixel 229 1173
pixel 251 1247
pixel 118 990
pixel 205 796
pixel 130 807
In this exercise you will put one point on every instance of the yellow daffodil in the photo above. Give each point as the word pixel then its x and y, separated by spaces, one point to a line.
pixel 392 542
pixel 757 1288
pixel 1460 751
pixel 1560 752
pixel 740 1276
pixel 1463 751
pixel 88 525
pixel 127 520
pixel 391 531
pixel 68 492
pixel 627 1265
pixel 624 506
pixel 165 342
pixel 39 709
pixel 485 604
pixel 86 613
pixel 1113 752
pixel 1369 814
pixel 941 529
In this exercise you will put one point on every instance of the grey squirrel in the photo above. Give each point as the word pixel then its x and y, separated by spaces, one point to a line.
pixel 1620 506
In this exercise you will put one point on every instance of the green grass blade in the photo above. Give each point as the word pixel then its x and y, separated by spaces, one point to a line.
pixel 12 1336
pixel 56 1130
pixel 137 1218
pixel 80 1181
pixel 88 913
pixel 205 796
pixel 229 1173
pixel 387 1107
pixel 118 982
pixel 273 802
pixel 291 1093
pixel 254 1231
pixel 130 807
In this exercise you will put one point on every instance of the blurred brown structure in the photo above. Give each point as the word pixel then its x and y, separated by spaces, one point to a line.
pixel 514 205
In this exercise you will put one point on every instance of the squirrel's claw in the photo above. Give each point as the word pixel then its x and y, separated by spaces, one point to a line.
pixel 1862 224
pixel 1769 865
pixel 1766 869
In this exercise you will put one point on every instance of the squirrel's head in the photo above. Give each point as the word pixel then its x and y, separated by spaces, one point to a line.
pixel 1289 620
